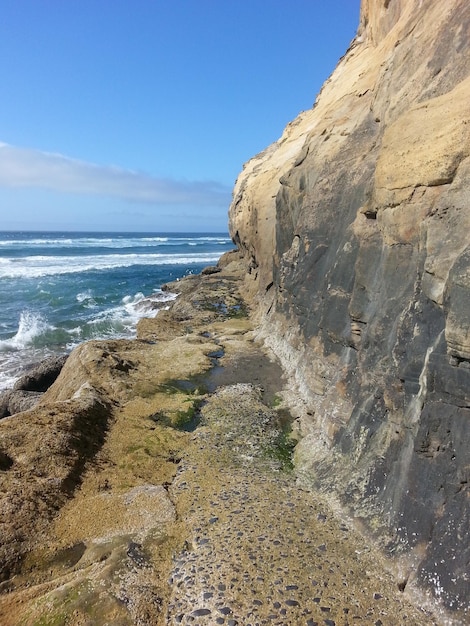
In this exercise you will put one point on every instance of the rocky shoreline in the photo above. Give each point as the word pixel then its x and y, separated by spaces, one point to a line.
pixel 152 484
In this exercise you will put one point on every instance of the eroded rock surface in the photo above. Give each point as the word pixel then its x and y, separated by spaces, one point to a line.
pixel 261 550
pixel 153 485
pixel 28 389
pixel 355 231
pixel 135 493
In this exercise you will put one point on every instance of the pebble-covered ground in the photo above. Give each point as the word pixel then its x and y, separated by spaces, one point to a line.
pixel 261 550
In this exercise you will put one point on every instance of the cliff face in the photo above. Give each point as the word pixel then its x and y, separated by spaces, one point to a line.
pixel 355 230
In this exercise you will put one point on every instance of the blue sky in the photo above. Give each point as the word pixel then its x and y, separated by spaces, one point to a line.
pixel 138 115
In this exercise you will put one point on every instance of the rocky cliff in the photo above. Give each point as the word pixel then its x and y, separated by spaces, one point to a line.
pixel 151 483
pixel 355 230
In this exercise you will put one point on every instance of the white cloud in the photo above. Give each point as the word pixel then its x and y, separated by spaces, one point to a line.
pixel 28 168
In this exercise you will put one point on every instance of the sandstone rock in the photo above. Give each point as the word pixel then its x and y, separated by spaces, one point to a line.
pixel 112 511
pixel 28 389
pixel 4 403
pixel 457 307
pixel 41 377
pixel 210 269
pixel 354 229
pixel 41 460
pixel 13 401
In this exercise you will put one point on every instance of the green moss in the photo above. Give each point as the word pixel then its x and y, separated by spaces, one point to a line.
pixel 171 388
pixel 282 449
pixel 189 386
pixel 236 310
pixel 188 419
pixel 56 608
pixel 184 418
pixel 58 619
pixel 276 401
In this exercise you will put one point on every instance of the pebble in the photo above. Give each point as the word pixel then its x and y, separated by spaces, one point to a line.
pixel 200 612
pixel 261 545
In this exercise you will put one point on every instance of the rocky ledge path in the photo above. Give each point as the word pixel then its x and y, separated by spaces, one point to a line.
pixel 179 505
pixel 261 550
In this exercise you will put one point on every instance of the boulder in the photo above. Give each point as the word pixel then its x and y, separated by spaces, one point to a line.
pixel 41 377
pixel 16 401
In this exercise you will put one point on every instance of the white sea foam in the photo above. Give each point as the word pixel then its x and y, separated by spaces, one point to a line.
pixel 35 242
pixel 130 310
pixel 7 376
pixel 39 266
pixel 109 242
pixel 10 369
pixel 119 321
pixel 14 362
pixel 84 295
pixel 86 298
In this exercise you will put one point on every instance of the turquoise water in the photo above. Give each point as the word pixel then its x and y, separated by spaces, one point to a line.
pixel 58 289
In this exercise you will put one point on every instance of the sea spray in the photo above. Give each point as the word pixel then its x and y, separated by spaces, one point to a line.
pixel 59 289
pixel 30 327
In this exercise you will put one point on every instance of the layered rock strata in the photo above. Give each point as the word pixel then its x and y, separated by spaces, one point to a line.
pixel 355 229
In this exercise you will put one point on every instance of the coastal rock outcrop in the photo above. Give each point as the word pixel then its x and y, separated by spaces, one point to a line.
pixel 354 227
pixel 40 377
pixel 29 388
pixel 153 484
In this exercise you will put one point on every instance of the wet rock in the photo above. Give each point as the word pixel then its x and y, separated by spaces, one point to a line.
pixel 6 462
pixel 136 554
pixel 201 612
pixel 251 495
pixel 41 377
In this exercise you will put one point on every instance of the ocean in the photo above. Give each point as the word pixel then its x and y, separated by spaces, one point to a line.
pixel 58 289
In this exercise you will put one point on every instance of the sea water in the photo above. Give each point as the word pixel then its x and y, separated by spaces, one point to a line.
pixel 58 289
